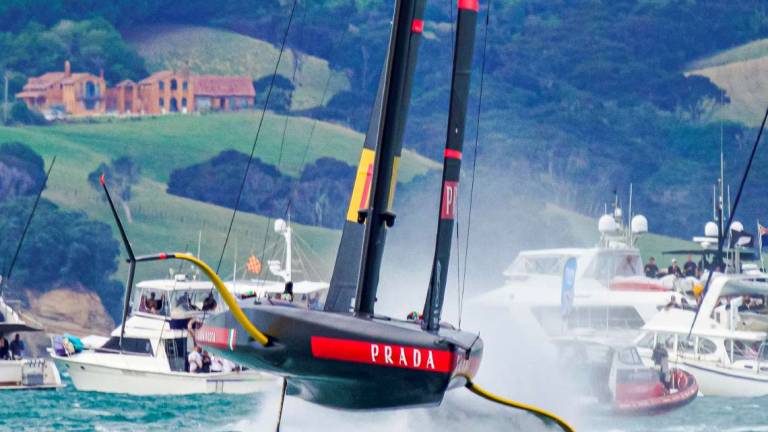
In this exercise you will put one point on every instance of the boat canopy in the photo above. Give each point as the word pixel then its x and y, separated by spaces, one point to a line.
pixel 596 263
pixel 678 321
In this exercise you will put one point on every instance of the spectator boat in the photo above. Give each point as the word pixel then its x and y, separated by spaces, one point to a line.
pixel 615 376
pixel 611 293
pixel 24 373
pixel 149 355
pixel 725 352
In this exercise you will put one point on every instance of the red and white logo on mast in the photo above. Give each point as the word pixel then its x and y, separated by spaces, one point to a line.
pixel 450 198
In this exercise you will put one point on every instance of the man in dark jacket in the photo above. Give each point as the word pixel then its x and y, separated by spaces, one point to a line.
pixel 651 269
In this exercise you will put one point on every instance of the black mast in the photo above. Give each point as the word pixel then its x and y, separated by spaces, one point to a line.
pixel 462 69
pixel 356 273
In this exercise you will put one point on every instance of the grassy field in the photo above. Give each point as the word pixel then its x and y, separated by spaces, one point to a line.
pixel 207 50
pixel 742 72
pixel 160 145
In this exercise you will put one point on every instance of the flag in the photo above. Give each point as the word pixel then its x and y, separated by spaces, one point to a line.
pixel 567 289
pixel 742 239
pixel 253 265
pixel 763 231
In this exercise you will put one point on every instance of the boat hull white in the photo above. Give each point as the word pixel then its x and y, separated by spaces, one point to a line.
pixel 106 379
pixel 719 381
pixel 29 374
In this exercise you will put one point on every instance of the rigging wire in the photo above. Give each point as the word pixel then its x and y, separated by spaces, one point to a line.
pixel 732 213
pixel 463 283
pixel 258 133
pixel 4 281
pixel 308 145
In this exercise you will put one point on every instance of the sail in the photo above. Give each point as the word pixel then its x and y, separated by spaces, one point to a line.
pixel 355 275
pixel 457 113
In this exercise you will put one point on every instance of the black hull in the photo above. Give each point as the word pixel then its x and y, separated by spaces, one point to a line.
pixel 343 361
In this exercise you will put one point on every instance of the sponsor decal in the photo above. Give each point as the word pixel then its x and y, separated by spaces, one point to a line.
pixel 469 4
pixel 450 198
pixel 217 337
pixel 382 354
pixel 417 26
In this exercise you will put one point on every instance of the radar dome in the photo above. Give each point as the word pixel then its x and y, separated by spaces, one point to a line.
pixel 606 224
pixel 737 226
pixel 280 225
pixel 639 224
pixel 710 229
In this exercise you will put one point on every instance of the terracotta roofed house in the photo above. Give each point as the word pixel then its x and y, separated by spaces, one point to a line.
pixel 65 92
pixel 171 91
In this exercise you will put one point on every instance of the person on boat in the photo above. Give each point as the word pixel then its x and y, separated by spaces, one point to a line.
pixel 4 348
pixel 746 304
pixel 17 347
pixel 209 303
pixel 651 269
pixel 660 358
pixel 152 304
pixel 195 359
pixel 206 368
pixel 672 303
pixel 674 269
pixel 690 268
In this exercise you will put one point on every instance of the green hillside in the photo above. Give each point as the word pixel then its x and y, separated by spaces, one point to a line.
pixel 741 73
pixel 208 50
pixel 160 145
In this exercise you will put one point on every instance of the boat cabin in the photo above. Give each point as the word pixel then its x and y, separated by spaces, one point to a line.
pixel 177 298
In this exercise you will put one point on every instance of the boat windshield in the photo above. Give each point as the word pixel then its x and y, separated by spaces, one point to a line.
pixel 151 301
pixel 184 301
pixel 539 264
pixel 608 265
pixel 743 350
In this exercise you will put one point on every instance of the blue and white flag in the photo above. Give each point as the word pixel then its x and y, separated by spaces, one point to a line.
pixel 567 291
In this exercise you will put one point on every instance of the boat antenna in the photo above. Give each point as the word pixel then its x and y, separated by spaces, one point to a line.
pixel 4 281
pixel 131 259
pixel 732 212
pixel 258 133
pixel 631 239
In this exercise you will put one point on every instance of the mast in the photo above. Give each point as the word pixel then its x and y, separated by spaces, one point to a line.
pixel 462 69
pixel 356 273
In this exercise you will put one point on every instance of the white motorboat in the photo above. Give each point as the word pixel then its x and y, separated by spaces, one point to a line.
pixel 305 293
pixel 24 373
pixel 725 352
pixel 151 358
pixel 611 293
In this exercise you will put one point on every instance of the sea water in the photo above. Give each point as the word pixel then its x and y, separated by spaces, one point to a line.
pixel 69 410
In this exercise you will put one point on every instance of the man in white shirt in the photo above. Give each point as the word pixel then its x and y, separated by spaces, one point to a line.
pixel 195 359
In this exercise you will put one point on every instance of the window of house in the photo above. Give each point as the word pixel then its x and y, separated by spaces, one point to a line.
pixel 184 85
pixel 174 84
pixel 162 102
pixel 183 102
pixel 161 84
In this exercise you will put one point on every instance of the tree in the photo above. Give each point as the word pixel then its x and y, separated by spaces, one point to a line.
pixel 120 175
pixel 22 171
pixel 282 93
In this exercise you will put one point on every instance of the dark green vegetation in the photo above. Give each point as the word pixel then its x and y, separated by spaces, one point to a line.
pixel 62 248
pixel 580 98
pixel 90 45
pixel 316 197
